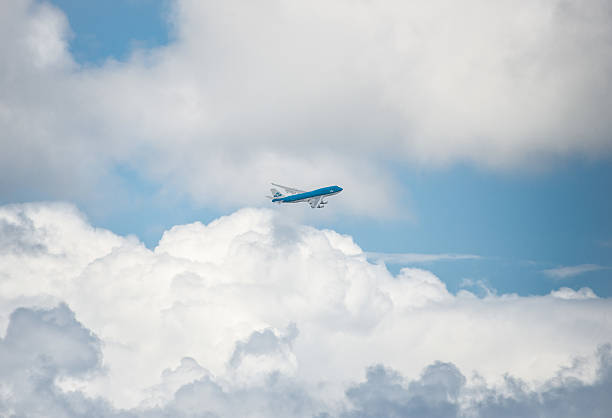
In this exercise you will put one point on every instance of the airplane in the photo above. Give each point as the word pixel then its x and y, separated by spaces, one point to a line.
pixel 313 197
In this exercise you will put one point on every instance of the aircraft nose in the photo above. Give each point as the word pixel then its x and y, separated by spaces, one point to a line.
pixel 340 189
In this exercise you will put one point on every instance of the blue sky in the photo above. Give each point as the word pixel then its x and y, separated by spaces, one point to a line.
pixel 111 29
pixel 521 221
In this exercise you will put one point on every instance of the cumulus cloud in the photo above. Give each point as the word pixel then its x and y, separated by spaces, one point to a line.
pixel 567 293
pixel 256 315
pixel 308 92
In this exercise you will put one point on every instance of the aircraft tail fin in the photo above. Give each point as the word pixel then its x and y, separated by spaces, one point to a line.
pixel 275 193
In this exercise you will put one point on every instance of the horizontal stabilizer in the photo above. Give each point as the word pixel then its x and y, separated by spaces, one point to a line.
pixel 289 190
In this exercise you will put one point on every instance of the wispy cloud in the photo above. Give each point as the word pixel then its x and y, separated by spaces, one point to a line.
pixel 480 287
pixel 408 258
pixel 571 271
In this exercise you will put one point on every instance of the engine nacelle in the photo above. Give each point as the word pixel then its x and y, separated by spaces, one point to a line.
pixel 321 206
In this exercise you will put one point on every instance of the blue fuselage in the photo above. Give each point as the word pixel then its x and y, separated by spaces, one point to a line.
pixel 300 197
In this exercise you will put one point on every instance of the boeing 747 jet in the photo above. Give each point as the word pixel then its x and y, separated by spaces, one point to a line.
pixel 314 197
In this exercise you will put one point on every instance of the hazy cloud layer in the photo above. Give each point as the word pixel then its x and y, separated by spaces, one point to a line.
pixel 306 93
pixel 254 315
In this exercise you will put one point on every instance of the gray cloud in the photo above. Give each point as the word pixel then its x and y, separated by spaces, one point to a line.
pixel 18 235
pixel 41 346
pixel 563 397
pixel 384 393
pixel 51 340
pixel 276 397
pixel 262 343
pixel 441 391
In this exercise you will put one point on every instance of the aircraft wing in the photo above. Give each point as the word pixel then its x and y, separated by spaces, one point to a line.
pixel 314 202
pixel 290 190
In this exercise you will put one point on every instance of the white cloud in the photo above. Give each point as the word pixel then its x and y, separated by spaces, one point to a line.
pixel 306 93
pixel 255 313
pixel 567 293
pixel 571 271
